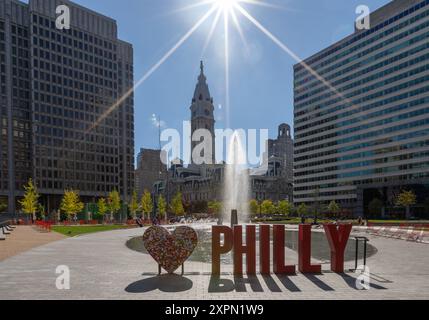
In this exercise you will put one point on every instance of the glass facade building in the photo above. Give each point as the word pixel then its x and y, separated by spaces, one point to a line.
pixel 363 134
pixel 56 93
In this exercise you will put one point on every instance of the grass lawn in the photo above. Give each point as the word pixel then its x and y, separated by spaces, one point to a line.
pixel 72 231
pixel 398 221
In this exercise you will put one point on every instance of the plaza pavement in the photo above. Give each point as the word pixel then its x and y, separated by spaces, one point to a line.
pixel 102 267
pixel 25 238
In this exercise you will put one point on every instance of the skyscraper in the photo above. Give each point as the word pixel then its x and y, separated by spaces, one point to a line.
pixel 365 136
pixel 57 86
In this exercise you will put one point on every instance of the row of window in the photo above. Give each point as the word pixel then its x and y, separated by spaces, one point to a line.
pixel 400 27
pixel 377 57
pixel 367 163
pixel 364 34
pixel 366 154
pixel 367 125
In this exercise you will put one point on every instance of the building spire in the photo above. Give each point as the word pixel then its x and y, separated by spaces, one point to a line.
pixel 202 67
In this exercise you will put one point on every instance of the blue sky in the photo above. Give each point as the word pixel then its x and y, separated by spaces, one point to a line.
pixel 261 78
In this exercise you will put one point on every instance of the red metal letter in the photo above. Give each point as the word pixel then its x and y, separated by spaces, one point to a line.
pixel 264 249
pixel 337 238
pixel 217 248
pixel 279 252
pixel 304 250
pixel 249 250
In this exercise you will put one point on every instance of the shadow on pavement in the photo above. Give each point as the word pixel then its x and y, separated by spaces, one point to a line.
pixel 318 282
pixel 240 284
pixel 288 284
pixel 164 283
pixel 351 282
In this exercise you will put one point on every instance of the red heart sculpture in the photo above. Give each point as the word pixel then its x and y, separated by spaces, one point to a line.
pixel 170 250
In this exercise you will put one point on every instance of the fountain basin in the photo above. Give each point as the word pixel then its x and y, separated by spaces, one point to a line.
pixel 319 244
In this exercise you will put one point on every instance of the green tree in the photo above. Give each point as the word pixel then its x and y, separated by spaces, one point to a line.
pixel 375 207
pixel 334 208
pixel 268 207
pixel 215 207
pixel 254 207
pixel 177 204
pixel 284 208
pixel 146 204
pixel 162 207
pixel 114 202
pixel 134 205
pixel 30 202
pixel 406 199
pixel 71 203
pixel 102 207
pixel 41 212
pixel 302 210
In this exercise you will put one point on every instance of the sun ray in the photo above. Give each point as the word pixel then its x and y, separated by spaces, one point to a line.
pixel 263 4
pixel 152 69
pixel 227 97
pixel 191 6
pixel 212 30
pixel 239 29
pixel 285 48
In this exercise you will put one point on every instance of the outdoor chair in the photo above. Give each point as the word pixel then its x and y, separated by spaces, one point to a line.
pixel 2 235
pixel 4 230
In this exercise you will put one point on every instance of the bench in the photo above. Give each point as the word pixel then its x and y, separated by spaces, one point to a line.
pixel 6 229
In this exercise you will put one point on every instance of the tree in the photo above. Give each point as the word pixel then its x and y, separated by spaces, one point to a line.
pixel 177 204
pixel 134 205
pixel 146 204
pixel 30 202
pixel 267 207
pixel 284 208
pixel 406 199
pixel 302 210
pixel 254 207
pixel 114 203
pixel 102 207
pixel 162 207
pixel 375 207
pixel 215 207
pixel 334 208
pixel 41 210
pixel 71 203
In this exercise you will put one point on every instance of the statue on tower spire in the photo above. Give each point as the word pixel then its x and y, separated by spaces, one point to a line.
pixel 202 66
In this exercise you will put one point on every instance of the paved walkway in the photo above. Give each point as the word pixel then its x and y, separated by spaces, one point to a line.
pixel 102 267
pixel 25 238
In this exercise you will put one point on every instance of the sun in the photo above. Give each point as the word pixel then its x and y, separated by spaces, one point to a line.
pixel 226 5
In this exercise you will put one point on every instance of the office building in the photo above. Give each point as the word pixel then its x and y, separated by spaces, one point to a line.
pixel 57 89
pixel 362 134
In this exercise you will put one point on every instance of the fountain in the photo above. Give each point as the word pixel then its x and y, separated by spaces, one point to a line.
pixel 236 188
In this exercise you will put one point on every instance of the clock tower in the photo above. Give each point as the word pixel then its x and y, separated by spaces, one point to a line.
pixel 202 116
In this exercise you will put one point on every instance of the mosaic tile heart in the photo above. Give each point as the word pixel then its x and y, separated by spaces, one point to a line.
pixel 170 250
